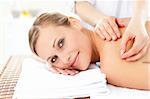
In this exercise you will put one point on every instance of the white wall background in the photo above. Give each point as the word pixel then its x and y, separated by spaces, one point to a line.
pixel 14 25
pixel 14 30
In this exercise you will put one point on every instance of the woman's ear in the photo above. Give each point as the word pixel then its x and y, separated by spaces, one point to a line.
pixel 75 23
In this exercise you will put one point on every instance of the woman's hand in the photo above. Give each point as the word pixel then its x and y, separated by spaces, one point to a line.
pixel 56 70
pixel 108 29
pixel 135 31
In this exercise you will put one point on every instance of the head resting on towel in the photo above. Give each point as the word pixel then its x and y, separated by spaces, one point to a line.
pixel 62 41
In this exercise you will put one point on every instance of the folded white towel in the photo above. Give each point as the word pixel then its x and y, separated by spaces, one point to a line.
pixel 37 82
pixel 123 93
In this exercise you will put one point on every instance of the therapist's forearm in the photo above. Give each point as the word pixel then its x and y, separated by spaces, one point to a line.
pixel 140 10
pixel 88 12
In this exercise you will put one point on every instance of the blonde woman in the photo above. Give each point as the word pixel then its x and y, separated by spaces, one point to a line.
pixel 69 47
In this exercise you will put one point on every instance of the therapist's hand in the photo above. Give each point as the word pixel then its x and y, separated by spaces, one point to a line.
pixel 135 31
pixel 107 28
pixel 56 70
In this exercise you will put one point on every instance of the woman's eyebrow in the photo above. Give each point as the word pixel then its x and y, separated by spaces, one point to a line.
pixel 54 43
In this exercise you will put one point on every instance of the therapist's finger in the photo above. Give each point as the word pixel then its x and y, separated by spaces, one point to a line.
pixel 115 28
pixel 97 30
pixel 109 30
pixel 124 42
pixel 121 22
pixel 138 55
pixel 104 32
pixel 134 50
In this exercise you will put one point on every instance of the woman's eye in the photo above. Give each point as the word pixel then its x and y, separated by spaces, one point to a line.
pixel 60 43
pixel 54 59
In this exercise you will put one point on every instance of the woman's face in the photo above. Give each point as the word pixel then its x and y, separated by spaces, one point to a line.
pixel 64 47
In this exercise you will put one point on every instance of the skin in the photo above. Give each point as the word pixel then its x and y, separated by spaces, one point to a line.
pixel 72 45
pixel 140 36
pixel 91 49
pixel 119 71
pixel 107 28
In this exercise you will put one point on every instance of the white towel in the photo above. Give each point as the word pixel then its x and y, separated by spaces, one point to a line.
pixel 123 93
pixel 37 82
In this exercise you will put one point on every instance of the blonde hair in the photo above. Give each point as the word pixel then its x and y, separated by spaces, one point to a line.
pixel 45 19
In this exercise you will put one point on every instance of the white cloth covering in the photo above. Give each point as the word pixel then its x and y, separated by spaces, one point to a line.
pixel 116 8
pixel 123 93
pixel 37 82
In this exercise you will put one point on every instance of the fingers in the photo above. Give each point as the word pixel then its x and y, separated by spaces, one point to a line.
pixel 72 72
pixel 136 48
pixel 53 69
pixel 138 55
pixel 115 28
pixel 121 22
pixel 124 42
pixel 108 29
pixel 100 34
pixel 62 71
pixel 67 71
pixel 104 32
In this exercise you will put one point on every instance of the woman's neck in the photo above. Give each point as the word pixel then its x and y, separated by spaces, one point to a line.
pixel 95 54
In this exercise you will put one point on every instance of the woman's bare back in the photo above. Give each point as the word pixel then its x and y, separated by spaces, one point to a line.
pixel 120 72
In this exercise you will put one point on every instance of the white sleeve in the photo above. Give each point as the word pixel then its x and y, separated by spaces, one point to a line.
pixel 91 1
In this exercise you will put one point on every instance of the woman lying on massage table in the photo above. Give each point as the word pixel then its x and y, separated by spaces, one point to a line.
pixel 69 47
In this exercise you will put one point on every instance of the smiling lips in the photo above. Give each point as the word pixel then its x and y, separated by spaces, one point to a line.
pixel 75 60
